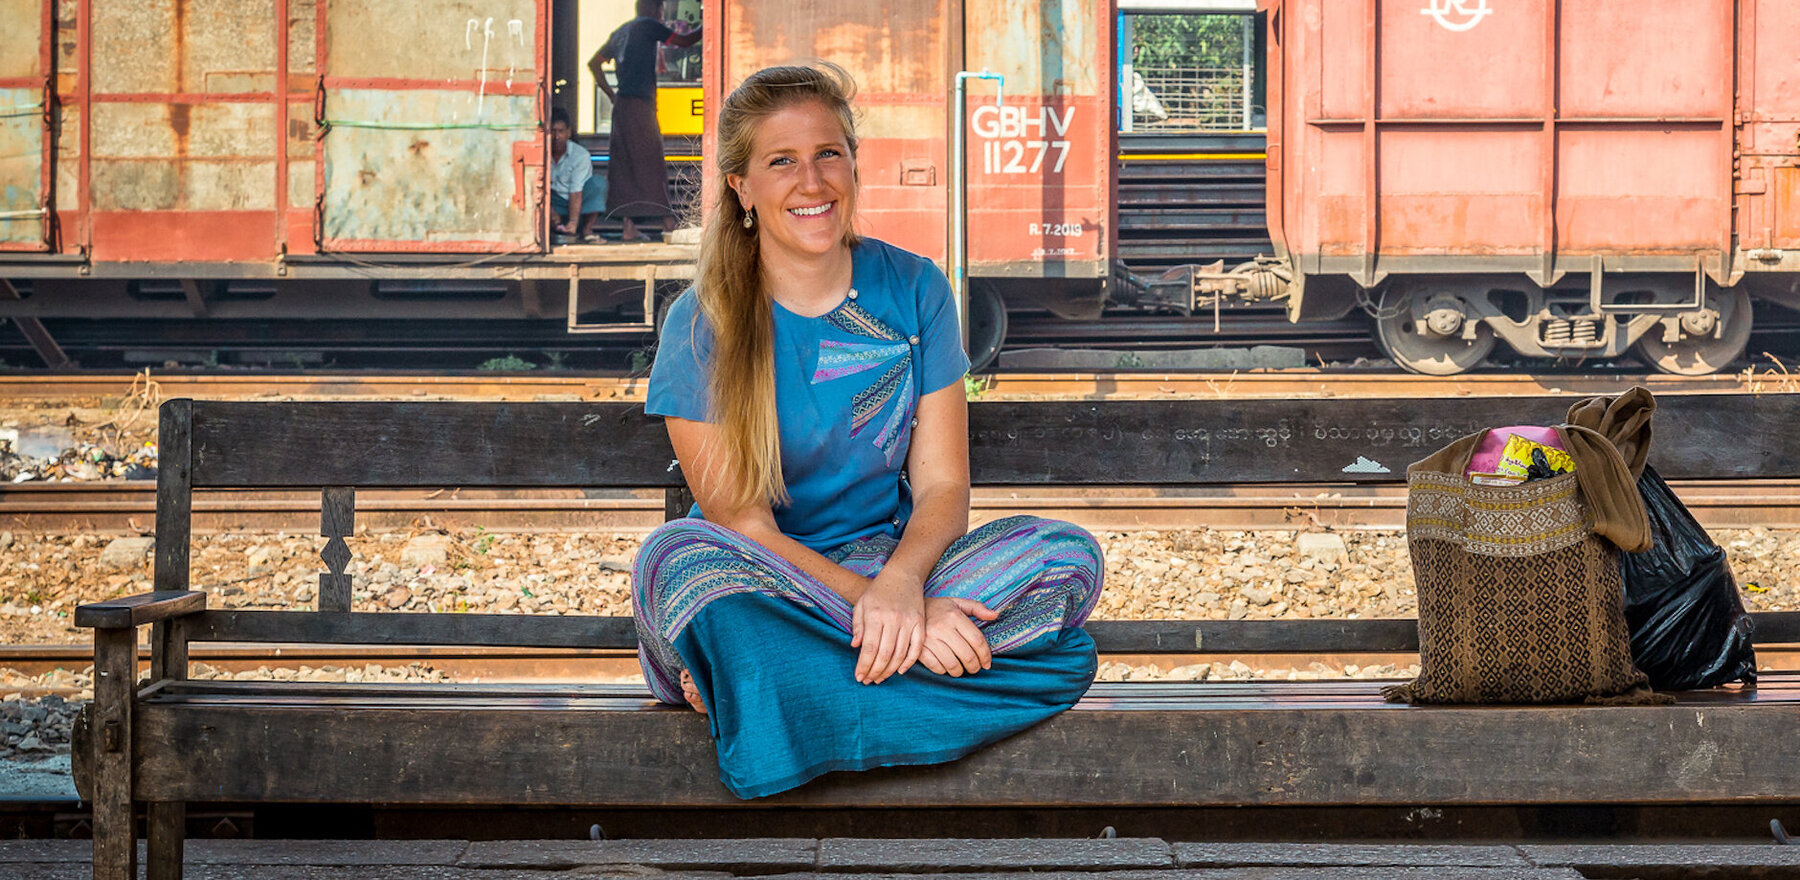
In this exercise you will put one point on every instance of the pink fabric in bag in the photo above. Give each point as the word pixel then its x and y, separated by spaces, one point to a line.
pixel 1487 455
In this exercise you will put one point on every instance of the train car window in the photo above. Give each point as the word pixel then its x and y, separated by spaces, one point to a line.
pixel 1187 71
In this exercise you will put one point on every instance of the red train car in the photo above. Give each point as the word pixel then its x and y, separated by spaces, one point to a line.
pixel 287 159
pixel 1574 178
pixel 307 158
pixel 1040 133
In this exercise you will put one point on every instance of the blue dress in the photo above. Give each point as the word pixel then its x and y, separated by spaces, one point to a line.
pixel 766 643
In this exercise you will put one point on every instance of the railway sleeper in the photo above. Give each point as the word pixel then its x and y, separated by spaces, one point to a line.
pixel 170 741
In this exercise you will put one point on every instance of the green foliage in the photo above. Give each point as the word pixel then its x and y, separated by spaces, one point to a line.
pixel 508 363
pixel 975 386
pixel 640 362
pixel 558 360
pixel 1169 42
pixel 1128 361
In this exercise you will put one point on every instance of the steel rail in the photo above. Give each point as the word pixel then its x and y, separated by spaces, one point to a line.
pixel 129 506
pixel 1078 384
pixel 507 665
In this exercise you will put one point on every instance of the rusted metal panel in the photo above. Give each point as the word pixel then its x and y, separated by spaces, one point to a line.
pixel 456 40
pixel 1040 165
pixel 68 159
pixel 22 39
pixel 1661 59
pixel 1526 133
pixel 1497 209
pixel 136 46
pixel 25 112
pixel 894 48
pixel 1500 76
pixel 437 186
pixel 1785 230
pixel 300 132
pixel 182 131
pixel 183 157
pixel 431 112
pixel 302 42
pixel 1630 190
pixel 22 191
pixel 227 46
pixel 897 51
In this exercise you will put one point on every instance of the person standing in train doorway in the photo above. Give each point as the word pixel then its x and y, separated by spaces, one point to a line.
pixel 637 176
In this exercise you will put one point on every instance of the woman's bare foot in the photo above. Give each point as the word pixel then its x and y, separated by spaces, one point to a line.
pixel 689 690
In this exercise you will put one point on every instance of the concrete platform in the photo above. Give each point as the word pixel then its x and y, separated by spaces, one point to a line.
pixel 844 859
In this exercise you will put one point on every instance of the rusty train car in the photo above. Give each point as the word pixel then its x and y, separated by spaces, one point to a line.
pixel 289 159
pixel 1019 204
pixel 1573 178
pixel 297 159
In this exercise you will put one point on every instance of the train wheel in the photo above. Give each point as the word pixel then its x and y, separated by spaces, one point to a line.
pixel 1699 352
pixel 987 325
pixel 1421 328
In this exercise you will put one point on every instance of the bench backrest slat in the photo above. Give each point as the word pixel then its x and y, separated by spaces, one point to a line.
pixel 174 494
pixel 1126 442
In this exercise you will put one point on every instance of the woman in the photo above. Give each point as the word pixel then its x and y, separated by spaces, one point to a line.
pixel 812 386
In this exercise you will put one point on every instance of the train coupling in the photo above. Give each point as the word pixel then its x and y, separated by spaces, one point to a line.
pixel 1189 288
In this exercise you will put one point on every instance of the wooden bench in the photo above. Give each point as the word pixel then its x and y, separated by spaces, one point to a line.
pixel 172 741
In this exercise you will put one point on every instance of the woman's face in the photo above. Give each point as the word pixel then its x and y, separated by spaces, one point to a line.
pixel 801 181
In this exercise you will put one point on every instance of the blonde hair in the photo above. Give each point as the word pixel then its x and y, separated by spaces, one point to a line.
pixel 729 283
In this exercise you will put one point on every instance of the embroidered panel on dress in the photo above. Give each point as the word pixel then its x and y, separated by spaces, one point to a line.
pixel 892 392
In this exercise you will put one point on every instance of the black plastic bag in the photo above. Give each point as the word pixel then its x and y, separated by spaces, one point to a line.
pixel 1689 628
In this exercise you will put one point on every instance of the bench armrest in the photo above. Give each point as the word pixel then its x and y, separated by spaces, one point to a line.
pixel 133 611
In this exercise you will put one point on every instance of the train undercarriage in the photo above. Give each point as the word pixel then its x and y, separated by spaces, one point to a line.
pixel 1447 324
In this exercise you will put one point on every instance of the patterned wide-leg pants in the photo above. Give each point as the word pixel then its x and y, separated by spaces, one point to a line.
pixel 1041 575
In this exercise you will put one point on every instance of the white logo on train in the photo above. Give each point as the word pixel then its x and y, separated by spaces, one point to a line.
pixel 1456 15
pixel 1022 140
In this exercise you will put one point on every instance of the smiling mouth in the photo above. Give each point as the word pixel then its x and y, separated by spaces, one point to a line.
pixel 813 211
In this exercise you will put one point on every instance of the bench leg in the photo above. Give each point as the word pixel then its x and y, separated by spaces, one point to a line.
pixel 167 833
pixel 115 827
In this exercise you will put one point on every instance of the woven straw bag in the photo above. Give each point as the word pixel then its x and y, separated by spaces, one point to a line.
pixel 1519 600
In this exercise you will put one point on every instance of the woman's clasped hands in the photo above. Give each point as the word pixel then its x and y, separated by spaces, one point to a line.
pixel 895 626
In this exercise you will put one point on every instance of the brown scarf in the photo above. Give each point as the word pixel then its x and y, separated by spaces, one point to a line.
pixel 1609 438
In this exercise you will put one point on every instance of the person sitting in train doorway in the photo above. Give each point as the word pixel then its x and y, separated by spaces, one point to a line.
pixel 825 603
pixel 575 193
pixel 637 175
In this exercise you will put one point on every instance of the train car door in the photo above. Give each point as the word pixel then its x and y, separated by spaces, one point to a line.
pixel 26 28
pixel 1768 120
pixel 1041 160
pixel 896 51
pixel 431 114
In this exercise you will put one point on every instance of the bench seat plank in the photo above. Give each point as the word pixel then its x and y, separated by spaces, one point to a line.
pixel 1115 750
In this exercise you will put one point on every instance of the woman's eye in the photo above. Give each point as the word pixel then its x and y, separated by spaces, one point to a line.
pixel 779 160
pixel 829 154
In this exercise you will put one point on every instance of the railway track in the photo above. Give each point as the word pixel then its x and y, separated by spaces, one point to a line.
pixel 475 664
pixel 1309 382
pixel 129 507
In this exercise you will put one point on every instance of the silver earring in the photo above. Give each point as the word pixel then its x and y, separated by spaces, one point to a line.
pixel 750 218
